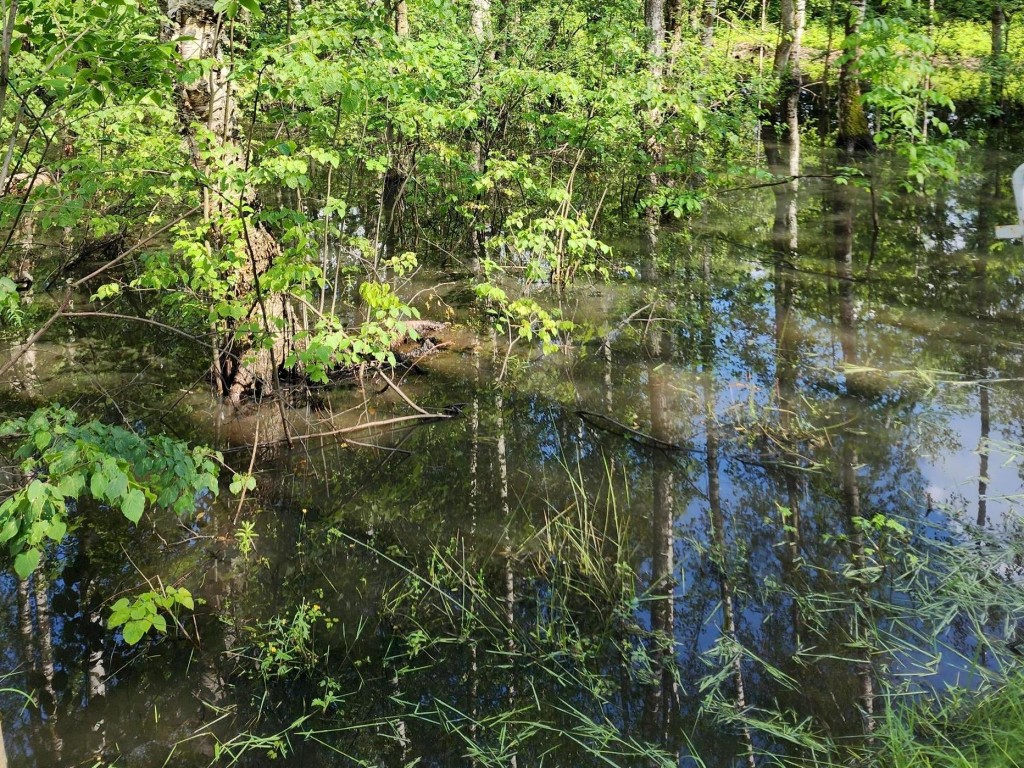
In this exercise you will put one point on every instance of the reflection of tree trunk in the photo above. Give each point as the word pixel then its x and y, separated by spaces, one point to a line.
pixel 506 555
pixel 244 368
pixel 720 556
pixel 984 391
pixel 474 509
pixel 842 211
pixel 848 454
pixel 719 549
pixel 401 729
pixel 96 672
pixel 983 450
pixel 499 405
pixel 3 747
pixel 988 191
pixel 25 624
pixel 46 659
pixel 662 589
pixel 785 242
pixel 858 558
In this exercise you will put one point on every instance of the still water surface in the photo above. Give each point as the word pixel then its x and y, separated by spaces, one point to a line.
pixel 624 552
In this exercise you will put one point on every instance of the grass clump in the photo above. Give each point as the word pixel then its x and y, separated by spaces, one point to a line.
pixel 964 729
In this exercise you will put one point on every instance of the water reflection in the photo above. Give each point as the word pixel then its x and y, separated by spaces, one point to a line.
pixel 525 583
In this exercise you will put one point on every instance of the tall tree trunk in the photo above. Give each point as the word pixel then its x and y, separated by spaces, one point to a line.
pixel 782 147
pixel 480 27
pixel 709 15
pixel 400 18
pixel 661 693
pixel 925 111
pixel 787 52
pixel 654 18
pixel 245 368
pixel 397 175
pixel 10 17
pixel 825 125
pixel 675 18
pixel 852 120
pixel 998 72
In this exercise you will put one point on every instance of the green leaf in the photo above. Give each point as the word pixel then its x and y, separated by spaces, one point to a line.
pixel 57 530
pixel 42 440
pixel 26 562
pixel 117 485
pixel 134 631
pixel 9 530
pixel 71 485
pixel 98 485
pixel 36 495
pixel 134 505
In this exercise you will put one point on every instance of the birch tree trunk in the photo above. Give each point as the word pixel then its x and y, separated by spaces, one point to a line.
pixel 783 153
pixel 243 367
pixel 400 17
pixel 709 14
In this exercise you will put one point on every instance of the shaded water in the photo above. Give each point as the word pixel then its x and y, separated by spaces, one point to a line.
pixel 649 538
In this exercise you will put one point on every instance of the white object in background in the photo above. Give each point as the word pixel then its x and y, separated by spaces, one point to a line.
pixel 1015 231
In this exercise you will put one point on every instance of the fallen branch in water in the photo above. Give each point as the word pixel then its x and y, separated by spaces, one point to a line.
pixel 598 421
pixel 369 425
pixel 779 181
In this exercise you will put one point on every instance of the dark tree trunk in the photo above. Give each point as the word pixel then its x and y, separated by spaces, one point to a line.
pixel 854 134
pixel 998 73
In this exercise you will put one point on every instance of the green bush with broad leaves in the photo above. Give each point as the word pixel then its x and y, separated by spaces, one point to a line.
pixel 63 459
pixel 138 615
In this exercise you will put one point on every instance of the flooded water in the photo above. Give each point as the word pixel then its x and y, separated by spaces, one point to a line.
pixel 636 550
